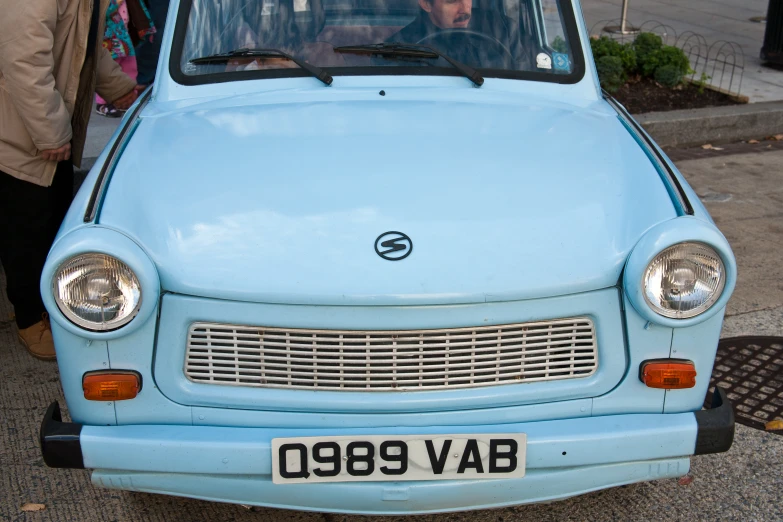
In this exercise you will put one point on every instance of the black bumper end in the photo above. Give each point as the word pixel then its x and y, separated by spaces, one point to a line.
pixel 60 444
pixel 716 425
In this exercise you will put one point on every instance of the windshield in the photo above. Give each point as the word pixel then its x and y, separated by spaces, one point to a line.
pixel 528 39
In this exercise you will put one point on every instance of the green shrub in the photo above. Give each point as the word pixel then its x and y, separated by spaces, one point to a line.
pixel 651 54
pixel 647 55
pixel 645 45
pixel 670 56
pixel 610 72
pixel 668 75
pixel 605 46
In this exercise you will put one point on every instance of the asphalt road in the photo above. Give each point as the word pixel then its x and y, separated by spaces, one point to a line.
pixel 744 193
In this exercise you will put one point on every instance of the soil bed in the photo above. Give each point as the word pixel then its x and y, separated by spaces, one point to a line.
pixel 646 95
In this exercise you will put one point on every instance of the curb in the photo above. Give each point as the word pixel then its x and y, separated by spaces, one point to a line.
pixel 694 127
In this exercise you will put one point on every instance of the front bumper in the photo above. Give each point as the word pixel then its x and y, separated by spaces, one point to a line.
pixel 564 458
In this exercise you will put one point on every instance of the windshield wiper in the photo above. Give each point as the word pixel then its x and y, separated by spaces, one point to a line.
pixel 414 51
pixel 263 53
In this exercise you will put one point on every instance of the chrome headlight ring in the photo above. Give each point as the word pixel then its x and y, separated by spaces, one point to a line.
pixel 684 280
pixel 680 273
pixel 97 291
pixel 99 284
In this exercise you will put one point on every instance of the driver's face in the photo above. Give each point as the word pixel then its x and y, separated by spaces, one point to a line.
pixel 448 14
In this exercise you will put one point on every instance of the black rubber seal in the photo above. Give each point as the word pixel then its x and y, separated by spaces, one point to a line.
pixel 60 441
pixel 687 207
pixel 716 425
pixel 103 176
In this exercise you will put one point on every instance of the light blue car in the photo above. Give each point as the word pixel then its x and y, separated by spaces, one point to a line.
pixel 383 256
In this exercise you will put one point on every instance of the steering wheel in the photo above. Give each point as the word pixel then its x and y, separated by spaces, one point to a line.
pixel 497 48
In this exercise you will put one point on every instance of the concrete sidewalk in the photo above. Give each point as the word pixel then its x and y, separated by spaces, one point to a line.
pixel 715 20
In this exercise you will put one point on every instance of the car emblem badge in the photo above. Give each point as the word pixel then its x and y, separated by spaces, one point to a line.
pixel 393 246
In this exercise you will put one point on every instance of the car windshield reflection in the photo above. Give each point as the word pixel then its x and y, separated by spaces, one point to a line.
pixel 503 37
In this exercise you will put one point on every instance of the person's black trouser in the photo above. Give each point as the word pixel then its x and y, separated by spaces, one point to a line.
pixel 30 216
pixel 147 52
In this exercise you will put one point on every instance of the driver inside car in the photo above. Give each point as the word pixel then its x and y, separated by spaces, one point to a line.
pixel 439 23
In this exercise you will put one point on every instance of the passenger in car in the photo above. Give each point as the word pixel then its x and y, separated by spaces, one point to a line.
pixel 437 18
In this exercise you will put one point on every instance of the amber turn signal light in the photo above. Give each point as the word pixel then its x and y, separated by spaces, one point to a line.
pixel 668 374
pixel 111 385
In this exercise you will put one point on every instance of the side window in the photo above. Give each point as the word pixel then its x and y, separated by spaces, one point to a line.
pixel 554 37
pixel 553 27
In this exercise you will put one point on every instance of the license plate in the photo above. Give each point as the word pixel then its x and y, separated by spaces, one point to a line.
pixel 360 458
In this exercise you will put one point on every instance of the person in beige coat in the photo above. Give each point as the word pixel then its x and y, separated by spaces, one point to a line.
pixel 51 64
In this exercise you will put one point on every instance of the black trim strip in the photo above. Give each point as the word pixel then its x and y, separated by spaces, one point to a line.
pixel 715 426
pixel 102 181
pixel 683 198
pixel 60 441
pixel 178 43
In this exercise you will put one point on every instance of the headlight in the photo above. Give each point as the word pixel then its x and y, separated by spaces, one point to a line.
pixel 97 292
pixel 684 280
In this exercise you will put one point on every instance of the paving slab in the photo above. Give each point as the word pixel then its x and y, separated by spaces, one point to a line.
pixel 744 194
pixel 705 151
pixel 715 20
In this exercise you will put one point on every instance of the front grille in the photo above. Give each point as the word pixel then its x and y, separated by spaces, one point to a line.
pixel 344 360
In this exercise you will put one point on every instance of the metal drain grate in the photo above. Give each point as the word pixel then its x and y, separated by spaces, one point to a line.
pixel 750 369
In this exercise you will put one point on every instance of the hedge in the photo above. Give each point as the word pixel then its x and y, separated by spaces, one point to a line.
pixel 646 57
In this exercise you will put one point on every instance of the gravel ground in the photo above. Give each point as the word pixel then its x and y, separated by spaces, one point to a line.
pixel 744 484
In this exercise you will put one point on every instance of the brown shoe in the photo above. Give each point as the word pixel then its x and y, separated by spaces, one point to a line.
pixel 38 339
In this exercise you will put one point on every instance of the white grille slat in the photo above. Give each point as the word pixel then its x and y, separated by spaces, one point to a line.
pixel 359 377
pixel 401 377
pixel 385 363
pixel 460 340
pixel 413 349
pixel 391 360
pixel 359 383
pixel 361 354
pixel 272 334
pixel 407 369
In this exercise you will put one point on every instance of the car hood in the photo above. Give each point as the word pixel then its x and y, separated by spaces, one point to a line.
pixel 270 202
